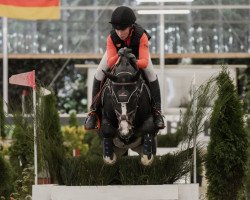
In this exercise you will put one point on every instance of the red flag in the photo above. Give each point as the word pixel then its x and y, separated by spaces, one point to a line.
pixel 30 9
pixel 25 79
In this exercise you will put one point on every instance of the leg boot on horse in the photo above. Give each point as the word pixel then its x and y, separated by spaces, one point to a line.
pixel 156 103
pixel 149 149
pixel 109 156
pixel 92 120
pixel 108 131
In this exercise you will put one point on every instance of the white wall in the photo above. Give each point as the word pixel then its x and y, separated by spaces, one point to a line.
pixel 129 192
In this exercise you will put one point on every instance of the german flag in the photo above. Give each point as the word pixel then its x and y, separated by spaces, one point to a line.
pixel 30 9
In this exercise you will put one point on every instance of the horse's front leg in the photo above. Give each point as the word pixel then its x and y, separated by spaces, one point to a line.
pixel 149 149
pixel 108 132
pixel 149 141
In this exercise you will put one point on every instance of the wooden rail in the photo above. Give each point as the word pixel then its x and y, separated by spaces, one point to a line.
pixel 154 56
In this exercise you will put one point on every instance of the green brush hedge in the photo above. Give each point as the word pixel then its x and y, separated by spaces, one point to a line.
pixel 127 171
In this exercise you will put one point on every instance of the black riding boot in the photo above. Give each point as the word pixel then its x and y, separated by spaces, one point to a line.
pixel 91 121
pixel 156 103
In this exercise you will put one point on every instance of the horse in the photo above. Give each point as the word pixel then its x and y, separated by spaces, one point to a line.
pixel 127 120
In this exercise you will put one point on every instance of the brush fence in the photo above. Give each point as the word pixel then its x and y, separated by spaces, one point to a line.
pixel 124 192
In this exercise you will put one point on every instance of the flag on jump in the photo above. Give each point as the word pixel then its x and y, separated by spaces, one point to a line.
pixel 25 79
pixel 30 9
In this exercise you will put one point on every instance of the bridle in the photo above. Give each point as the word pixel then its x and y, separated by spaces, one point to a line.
pixel 123 115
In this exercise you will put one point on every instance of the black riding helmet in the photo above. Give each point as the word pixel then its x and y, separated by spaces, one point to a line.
pixel 122 17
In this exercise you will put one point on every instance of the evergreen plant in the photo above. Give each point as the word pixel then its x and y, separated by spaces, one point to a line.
pixel 22 148
pixel 73 120
pixel 226 154
pixel 5 178
pixel 94 143
pixel 50 139
pixel 23 185
pixel 21 153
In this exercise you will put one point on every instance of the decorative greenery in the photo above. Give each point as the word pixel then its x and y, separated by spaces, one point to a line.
pixel 22 148
pixel 170 139
pixel 226 154
pixel 5 178
pixel 197 111
pixel 127 171
pixel 23 186
pixel 51 152
pixel 94 143
pixel 87 171
pixel 193 119
pixel 50 139
pixel 193 122
pixel 76 137
pixel 244 91
pixel 21 154
pixel 73 137
pixel 73 120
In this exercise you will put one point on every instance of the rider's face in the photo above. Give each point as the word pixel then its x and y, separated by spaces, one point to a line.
pixel 123 34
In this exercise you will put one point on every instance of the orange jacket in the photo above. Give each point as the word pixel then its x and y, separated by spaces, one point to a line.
pixel 142 61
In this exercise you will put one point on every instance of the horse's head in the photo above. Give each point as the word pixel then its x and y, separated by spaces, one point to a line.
pixel 125 86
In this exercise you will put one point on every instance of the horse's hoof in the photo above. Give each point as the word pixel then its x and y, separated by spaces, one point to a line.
pixel 146 161
pixel 108 160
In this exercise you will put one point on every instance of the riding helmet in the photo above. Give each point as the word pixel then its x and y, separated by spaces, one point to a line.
pixel 122 17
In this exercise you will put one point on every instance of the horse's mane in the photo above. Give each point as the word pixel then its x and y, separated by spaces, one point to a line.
pixel 125 65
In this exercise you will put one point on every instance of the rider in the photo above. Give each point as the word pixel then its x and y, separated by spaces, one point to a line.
pixel 126 33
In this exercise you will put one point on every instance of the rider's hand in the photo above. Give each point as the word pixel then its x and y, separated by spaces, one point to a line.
pixel 121 51
pixel 132 58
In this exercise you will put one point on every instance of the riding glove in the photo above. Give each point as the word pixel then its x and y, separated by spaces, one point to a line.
pixel 132 58
pixel 121 52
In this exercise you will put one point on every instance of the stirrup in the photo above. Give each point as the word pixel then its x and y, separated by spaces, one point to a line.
pixel 159 121
pixel 94 117
pixel 158 118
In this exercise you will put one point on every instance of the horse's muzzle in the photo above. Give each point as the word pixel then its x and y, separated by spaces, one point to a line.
pixel 125 129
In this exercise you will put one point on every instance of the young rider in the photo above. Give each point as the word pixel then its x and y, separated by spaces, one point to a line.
pixel 126 33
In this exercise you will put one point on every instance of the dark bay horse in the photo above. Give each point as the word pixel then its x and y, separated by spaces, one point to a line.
pixel 127 121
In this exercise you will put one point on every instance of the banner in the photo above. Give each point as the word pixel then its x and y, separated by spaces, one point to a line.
pixel 30 9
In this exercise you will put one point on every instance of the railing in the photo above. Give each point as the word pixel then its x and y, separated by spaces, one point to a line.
pixel 153 56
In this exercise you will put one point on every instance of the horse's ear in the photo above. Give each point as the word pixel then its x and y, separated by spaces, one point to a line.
pixel 110 76
pixel 135 76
